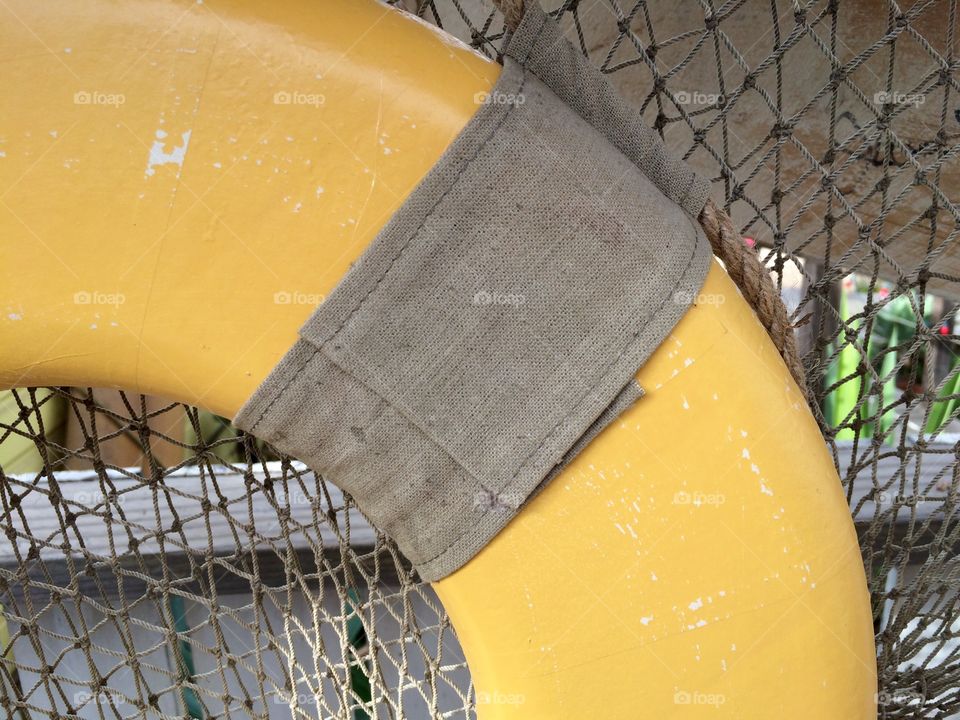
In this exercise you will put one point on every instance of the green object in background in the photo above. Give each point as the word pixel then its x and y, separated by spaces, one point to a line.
pixel 870 404
pixel 846 396
pixel 942 409
pixel 18 452
pixel 829 379
pixel 359 673
pixel 889 392
pixel 220 438
pixel 214 430
pixel 183 654
pixel 894 327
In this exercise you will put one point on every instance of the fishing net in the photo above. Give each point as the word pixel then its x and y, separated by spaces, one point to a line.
pixel 159 563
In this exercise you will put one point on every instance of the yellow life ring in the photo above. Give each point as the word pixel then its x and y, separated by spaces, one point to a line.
pixel 173 166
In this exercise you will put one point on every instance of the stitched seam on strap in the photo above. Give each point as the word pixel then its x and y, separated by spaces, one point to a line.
pixel 286 386
pixel 476 481
pixel 393 262
pixel 643 160
pixel 416 232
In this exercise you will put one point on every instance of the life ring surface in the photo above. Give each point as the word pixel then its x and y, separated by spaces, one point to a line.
pixel 191 179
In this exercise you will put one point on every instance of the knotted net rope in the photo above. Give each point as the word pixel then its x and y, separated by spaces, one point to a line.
pixel 741 262
pixel 158 563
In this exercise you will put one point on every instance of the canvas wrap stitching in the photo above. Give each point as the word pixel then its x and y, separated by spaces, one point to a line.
pixel 252 427
pixel 393 262
pixel 340 332
pixel 419 228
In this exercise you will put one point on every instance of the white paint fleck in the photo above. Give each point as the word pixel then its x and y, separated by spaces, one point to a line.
pixel 159 156
pixel 765 490
pixel 14 316
pixel 646 620
pixel 745 454
pixel 296 208
pixel 68 50
pixel 696 604
pixel 319 190
pixel 686 405
pixel 217 165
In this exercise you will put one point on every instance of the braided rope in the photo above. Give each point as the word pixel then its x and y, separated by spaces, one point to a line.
pixel 741 262
pixel 753 279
